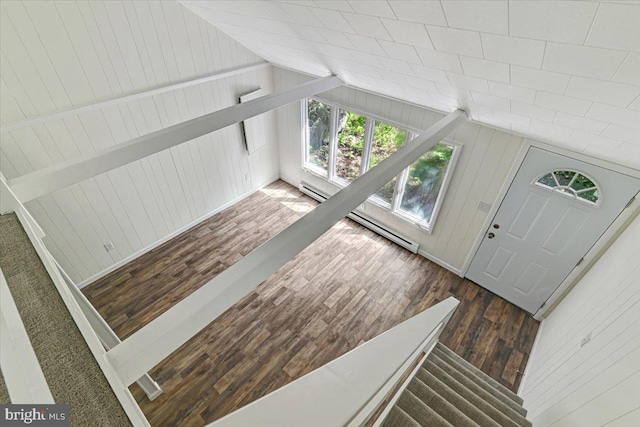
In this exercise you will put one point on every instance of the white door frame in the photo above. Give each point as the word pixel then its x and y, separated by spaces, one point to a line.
pixel 614 230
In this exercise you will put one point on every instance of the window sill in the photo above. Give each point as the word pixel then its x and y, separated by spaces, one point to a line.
pixel 386 207
pixel 316 172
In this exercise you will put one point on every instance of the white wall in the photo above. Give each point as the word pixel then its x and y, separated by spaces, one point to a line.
pixel 598 384
pixel 486 157
pixel 58 55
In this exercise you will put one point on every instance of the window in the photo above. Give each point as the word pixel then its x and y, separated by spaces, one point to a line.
pixel 341 145
pixel 424 181
pixel 319 134
pixel 386 141
pixel 570 183
pixel 350 144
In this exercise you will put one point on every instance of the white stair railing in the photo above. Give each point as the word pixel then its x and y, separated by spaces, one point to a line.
pixel 349 389
pixel 106 335
pixel 21 370
pixel 10 203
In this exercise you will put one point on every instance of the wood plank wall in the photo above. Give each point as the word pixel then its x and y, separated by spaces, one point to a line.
pixel 568 384
pixel 57 55
pixel 486 157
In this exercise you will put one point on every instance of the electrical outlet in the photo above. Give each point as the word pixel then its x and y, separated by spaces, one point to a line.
pixel 585 340
pixel 109 246
pixel 246 177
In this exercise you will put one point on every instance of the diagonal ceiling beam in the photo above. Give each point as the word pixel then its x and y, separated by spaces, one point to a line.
pixel 147 347
pixel 44 181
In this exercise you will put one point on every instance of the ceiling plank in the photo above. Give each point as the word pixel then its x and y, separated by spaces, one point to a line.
pixel 44 181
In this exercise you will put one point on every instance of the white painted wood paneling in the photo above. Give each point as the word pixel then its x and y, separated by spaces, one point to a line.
pixel 575 57
pixel 596 384
pixel 485 159
pixel 70 54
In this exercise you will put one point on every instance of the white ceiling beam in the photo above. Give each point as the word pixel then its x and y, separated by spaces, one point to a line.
pixel 56 177
pixel 147 347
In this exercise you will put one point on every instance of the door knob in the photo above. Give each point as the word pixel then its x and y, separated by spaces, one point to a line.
pixel 491 235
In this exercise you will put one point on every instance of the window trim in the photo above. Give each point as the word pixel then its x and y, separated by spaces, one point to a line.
pixel 371 119
pixel 577 172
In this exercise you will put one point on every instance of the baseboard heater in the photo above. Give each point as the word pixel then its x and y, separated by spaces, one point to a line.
pixel 399 240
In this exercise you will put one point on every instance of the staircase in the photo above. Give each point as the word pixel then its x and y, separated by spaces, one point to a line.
pixel 449 391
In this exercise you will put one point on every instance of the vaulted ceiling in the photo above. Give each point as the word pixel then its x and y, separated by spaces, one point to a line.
pixel 564 72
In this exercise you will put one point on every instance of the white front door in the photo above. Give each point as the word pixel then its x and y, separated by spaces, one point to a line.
pixel 549 219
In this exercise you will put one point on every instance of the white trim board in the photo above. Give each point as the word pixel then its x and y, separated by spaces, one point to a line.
pixel 169 236
pixel 440 262
pixel 534 350
pixel 136 95
pixel 22 373
pixel 126 399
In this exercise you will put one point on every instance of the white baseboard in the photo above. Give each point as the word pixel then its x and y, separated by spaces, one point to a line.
pixel 168 237
pixel 289 180
pixel 440 262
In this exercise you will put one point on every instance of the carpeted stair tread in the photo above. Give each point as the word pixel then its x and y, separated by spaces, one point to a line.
pixel 446 390
pixel 399 418
pixel 500 402
pixel 420 412
pixel 460 402
pixel 453 358
pixel 498 416
pixel 439 404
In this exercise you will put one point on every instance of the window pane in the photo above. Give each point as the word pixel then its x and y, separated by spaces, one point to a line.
pixel 425 181
pixel 319 121
pixel 564 177
pixel 350 142
pixel 548 180
pixel 386 141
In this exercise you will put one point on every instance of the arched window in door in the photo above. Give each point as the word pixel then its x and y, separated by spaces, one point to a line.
pixel 572 184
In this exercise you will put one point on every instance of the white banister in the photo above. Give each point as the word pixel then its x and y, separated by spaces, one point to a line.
pixel 23 377
pixel 106 335
pixel 9 202
pixel 347 390
pixel 126 399
pixel 35 234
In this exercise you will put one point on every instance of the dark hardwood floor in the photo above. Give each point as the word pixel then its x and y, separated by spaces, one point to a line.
pixel 346 288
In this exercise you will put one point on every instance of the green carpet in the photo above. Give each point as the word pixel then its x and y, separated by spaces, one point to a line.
pixel 70 369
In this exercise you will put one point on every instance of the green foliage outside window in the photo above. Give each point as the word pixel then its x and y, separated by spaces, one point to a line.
pixel 424 181
pixel 386 141
pixel 319 122
pixel 350 144
pixel 425 177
